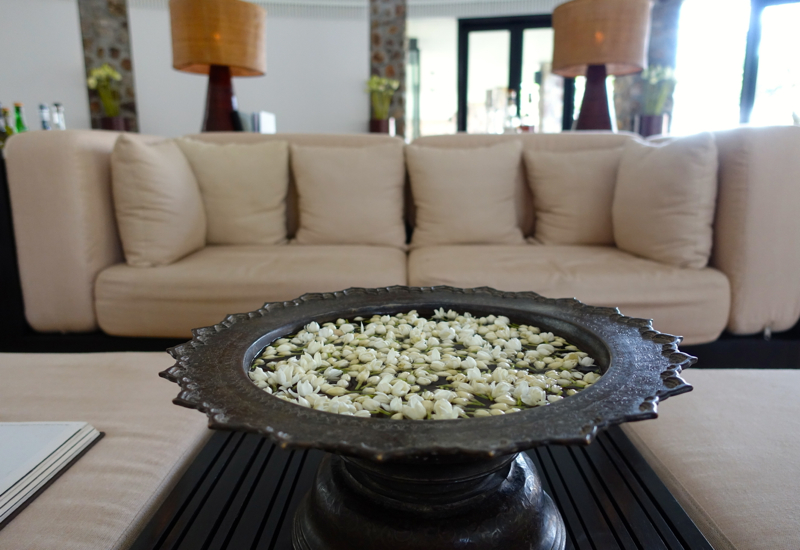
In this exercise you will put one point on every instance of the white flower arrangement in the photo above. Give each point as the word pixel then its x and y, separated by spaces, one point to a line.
pixel 406 366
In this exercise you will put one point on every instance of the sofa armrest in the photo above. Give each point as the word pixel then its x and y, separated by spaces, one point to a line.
pixel 757 225
pixel 64 224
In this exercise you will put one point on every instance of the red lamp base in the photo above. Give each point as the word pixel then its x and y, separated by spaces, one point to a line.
pixel 221 109
pixel 595 113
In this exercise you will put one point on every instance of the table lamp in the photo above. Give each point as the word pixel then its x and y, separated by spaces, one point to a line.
pixel 221 38
pixel 597 38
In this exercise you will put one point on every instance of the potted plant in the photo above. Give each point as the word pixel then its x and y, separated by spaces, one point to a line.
pixel 381 91
pixel 658 84
pixel 103 80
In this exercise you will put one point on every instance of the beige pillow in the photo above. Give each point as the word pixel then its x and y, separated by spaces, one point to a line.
pixel 159 210
pixel 664 200
pixel 572 195
pixel 464 196
pixel 244 189
pixel 350 195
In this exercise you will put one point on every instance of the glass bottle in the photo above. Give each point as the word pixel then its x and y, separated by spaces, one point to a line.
pixel 9 122
pixel 58 117
pixel 3 134
pixel 20 118
pixel 44 116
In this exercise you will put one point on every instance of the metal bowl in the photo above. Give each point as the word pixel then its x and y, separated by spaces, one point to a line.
pixel 640 367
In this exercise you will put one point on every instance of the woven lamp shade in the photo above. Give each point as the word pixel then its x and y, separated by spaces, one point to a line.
pixel 613 33
pixel 228 33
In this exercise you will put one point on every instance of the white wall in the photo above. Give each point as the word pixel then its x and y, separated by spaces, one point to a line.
pixel 41 59
pixel 316 73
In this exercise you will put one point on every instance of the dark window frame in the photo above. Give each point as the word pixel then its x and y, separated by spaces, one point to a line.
pixel 750 76
pixel 516 25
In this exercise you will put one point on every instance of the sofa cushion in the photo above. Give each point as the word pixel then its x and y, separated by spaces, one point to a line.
pixel 244 189
pixel 203 288
pixel 689 302
pixel 350 195
pixel 107 497
pixel 572 195
pixel 728 452
pixel 464 196
pixel 665 198
pixel 158 205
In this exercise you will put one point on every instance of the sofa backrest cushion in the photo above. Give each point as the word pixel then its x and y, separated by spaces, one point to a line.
pixel 313 140
pixel 557 143
pixel 157 201
pixel 350 195
pixel 244 189
pixel 572 195
pixel 665 199
pixel 464 196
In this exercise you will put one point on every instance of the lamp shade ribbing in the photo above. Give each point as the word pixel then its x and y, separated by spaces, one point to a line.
pixel 613 33
pixel 230 33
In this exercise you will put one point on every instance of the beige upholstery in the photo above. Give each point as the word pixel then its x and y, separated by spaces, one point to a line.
pixel 350 195
pixel 66 232
pixel 728 452
pixel 572 195
pixel 64 224
pixel 557 143
pixel 688 302
pixel 664 200
pixel 203 288
pixel 105 499
pixel 312 140
pixel 464 196
pixel 243 188
pixel 757 225
pixel 160 214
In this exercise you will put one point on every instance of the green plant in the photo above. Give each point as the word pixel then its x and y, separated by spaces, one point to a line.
pixel 381 90
pixel 103 80
pixel 658 86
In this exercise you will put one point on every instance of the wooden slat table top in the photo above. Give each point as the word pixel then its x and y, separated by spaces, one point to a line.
pixel 242 491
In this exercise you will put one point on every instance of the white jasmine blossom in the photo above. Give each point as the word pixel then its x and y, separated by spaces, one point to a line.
pixel 407 366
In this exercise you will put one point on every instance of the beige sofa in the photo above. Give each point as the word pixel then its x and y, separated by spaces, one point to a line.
pixel 75 279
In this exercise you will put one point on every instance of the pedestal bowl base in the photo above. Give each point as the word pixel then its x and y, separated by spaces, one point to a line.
pixel 420 505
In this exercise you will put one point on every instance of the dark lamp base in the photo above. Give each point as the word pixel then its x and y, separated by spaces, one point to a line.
pixel 221 108
pixel 595 113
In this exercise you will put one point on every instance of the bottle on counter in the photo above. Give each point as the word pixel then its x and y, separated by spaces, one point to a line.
pixel 3 134
pixel 44 116
pixel 8 121
pixel 58 117
pixel 20 118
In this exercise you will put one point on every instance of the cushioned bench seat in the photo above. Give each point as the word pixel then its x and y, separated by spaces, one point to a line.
pixel 728 451
pixel 201 289
pixel 105 499
pixel 693 303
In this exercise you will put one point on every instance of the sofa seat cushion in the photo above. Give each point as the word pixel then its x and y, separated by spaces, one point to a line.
pixel 728 452
pixel 104 500
pixel 201 289
pixel 692 303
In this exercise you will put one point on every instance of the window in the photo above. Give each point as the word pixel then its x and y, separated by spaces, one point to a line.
pixel 771 91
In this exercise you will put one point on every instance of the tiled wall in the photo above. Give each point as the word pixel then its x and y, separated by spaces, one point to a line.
pixel 388 50
pixel 104 28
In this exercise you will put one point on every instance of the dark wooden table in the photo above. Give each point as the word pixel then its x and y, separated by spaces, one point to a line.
pixel 241 492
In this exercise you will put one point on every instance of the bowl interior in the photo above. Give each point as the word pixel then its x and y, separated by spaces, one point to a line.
pixel 575 334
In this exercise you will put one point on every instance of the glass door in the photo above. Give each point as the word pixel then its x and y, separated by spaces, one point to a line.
pixel 505 81
pixel 487 81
